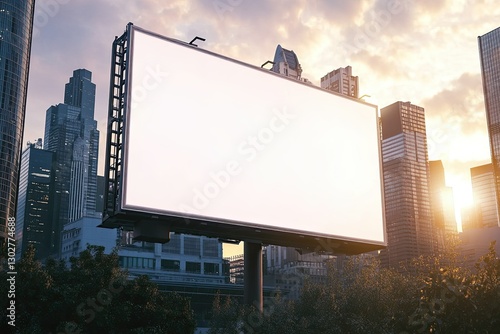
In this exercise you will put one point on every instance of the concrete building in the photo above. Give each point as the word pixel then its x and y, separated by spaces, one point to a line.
pixel 341 81
pixel 78 234
pixel 236 268
pixel 286 269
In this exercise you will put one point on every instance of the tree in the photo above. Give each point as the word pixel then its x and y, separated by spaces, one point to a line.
pixel 92 295
pixel 32 284
pixel 435 294
pixel 226 316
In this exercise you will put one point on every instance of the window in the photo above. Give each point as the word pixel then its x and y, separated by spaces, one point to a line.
pixel 211 268
pixel 193 267
pixel 191 245
pixel 173 246
pixel 170 265
pixel 210 247
pixel 136 262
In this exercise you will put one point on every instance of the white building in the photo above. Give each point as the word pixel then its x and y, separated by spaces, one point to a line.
pixel 82 232
pixel 341 81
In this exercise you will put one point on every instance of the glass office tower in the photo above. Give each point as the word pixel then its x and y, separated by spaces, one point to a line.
pixel 16 26
pixel 71 132
pixel 484 196
pixel 34 204
pixel 408 213
pixel 489 53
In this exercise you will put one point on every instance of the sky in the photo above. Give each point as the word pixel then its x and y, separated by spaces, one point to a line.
pixel 423 51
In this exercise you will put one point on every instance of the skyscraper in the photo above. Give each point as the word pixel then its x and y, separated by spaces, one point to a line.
pixel 443 211
pixel 406 184
pixel 34 204
pixel 489 54
pixel 341 81
pixel 484 196
pixel 16 26
pixel 71 132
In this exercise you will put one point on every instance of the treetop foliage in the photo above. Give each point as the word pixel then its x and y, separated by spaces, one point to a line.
pixel 430 295
pixel 91 295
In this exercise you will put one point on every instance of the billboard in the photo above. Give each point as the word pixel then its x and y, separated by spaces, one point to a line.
pixel 218 147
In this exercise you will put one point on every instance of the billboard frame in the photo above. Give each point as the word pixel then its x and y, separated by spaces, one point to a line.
pixel 115 215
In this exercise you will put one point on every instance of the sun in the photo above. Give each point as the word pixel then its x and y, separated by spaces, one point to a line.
pixel 463 199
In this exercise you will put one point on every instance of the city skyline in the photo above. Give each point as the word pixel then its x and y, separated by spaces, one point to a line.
pixel 389 45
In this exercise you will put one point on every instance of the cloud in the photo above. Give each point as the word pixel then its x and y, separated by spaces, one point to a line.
pixel 415 53
pixel 456 125
pixel 379 19
pixel 339 12
pixel 461 105
pixel 382 66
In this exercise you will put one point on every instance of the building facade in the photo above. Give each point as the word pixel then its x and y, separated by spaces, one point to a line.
pixel 286 63
pixel 408 213
pixel 442 204
pixel 77 234
pixel 71 132
pixel 475 243
pixel 489 54
pixel 341 81
pixel 16 26
pixel 34 203
pixel 236 268
pixel 484 196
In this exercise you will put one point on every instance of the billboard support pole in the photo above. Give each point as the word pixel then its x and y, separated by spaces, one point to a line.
pixel 253 291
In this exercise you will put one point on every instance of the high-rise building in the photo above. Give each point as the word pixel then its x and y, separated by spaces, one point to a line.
pixel 16 26
pixel 484 196
pixel 80 92
pixel 34 204
pixel 489 54
pixel 406 184
pixel 101 185
pixel 341 81
pixel 442 204
pixel 71 132
pixel 287 64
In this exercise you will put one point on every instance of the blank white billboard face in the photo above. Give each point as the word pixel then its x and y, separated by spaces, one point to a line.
pixel 213 138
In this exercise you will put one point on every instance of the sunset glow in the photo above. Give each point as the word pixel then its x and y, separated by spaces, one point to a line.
pixel 425 52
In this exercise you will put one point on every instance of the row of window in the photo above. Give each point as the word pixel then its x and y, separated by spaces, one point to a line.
pixel 169 265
